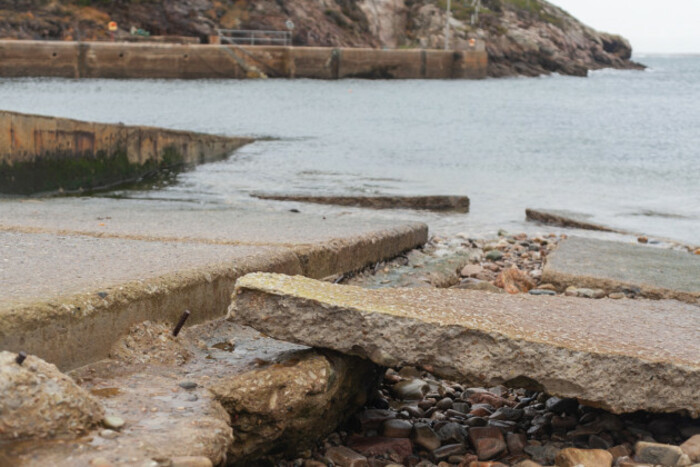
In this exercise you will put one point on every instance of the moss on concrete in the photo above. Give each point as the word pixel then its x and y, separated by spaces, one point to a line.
pixel 67 172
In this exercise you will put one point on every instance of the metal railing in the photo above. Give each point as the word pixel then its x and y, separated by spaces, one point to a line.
pixel 255 37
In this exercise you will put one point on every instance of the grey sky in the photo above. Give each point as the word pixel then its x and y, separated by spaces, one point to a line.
pixel 666 26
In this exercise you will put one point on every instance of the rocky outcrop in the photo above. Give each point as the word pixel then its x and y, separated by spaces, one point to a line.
pixel 38 401
pixel 568 347
pixel 527 38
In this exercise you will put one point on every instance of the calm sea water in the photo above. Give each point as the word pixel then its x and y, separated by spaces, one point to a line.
pixel 622 146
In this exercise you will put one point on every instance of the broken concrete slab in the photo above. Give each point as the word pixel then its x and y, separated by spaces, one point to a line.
pixel 622 356
pixel 597 264
pixel 564 218
pixel 425 203
pixel 325 245
pixel 88 269
pixel 226 402
pixel 38 401
pixel 66 299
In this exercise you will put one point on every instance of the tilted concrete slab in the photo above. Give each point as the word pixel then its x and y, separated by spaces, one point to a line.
pixel 77 274
pixel 563 218
pixel 66 299
pixel 426 203
pixel 658 273
pixel 623 356
pixel 325 245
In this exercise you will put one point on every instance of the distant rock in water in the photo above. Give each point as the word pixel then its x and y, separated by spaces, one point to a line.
pixel 523 37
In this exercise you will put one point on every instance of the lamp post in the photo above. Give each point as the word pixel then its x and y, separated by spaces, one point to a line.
pixel 448 13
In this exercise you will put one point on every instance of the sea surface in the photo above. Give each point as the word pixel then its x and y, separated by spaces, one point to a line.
pixel 620 146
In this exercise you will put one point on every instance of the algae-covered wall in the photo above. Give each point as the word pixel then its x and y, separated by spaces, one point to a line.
pixel 184 61
pixel 45 154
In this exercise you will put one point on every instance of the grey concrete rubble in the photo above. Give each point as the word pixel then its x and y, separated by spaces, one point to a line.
pixel 428 203
pixel 217 393
pixel 565 346
pixel 649 272
pixel 38 401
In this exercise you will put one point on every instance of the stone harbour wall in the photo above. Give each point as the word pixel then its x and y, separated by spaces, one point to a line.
pixel 187 61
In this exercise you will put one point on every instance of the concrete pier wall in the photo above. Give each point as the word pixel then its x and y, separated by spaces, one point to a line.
pixel 44 154
pixel 187 61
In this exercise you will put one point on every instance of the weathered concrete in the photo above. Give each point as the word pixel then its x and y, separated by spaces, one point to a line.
pixel 228 401
pixel 38 401
pixel 87 270
pixel 428 203
pixel 562 218
pixel 43 154
pixel 324 245
pixel 187 61
pixel 598 264
pixel 619 355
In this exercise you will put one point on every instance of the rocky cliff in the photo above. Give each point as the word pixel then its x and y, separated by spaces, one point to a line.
pixel 523 37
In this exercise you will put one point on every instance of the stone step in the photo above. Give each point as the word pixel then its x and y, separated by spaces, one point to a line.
pixel 622 356
pixel 598 264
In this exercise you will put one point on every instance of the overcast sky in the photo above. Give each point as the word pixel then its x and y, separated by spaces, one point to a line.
pixel 666 26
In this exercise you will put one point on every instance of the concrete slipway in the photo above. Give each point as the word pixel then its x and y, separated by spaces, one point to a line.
pixel 76 274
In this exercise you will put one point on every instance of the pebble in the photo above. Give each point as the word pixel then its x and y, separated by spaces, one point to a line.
pixel 692 448
pixel 494 255
pixel 572 457
pixel 488 442
pixel 616 295
pixel 411 389
pixel 345 457
pixel 113 422
pixel 542 292
pixel 396 428
pixel 108 434
pixel 471 270
pixel 561 406
pixel 187 384
pixel 423 435
pixel 191 461
pixel 656 453
pixel 100 462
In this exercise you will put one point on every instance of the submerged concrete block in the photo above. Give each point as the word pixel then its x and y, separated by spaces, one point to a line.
pixel 428 203
pixel 622 356
pixel 597 264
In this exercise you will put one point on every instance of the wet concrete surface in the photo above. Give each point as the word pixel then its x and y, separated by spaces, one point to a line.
pixel 164 416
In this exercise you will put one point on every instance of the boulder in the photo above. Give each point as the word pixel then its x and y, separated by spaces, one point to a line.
pixel 38 401
pixel 292 403
pixel 564 346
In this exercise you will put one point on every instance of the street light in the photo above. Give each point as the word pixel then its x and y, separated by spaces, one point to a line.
pixel 447 23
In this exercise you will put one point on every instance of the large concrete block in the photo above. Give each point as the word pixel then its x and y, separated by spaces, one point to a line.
pixel 614 266
pixel 622 356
